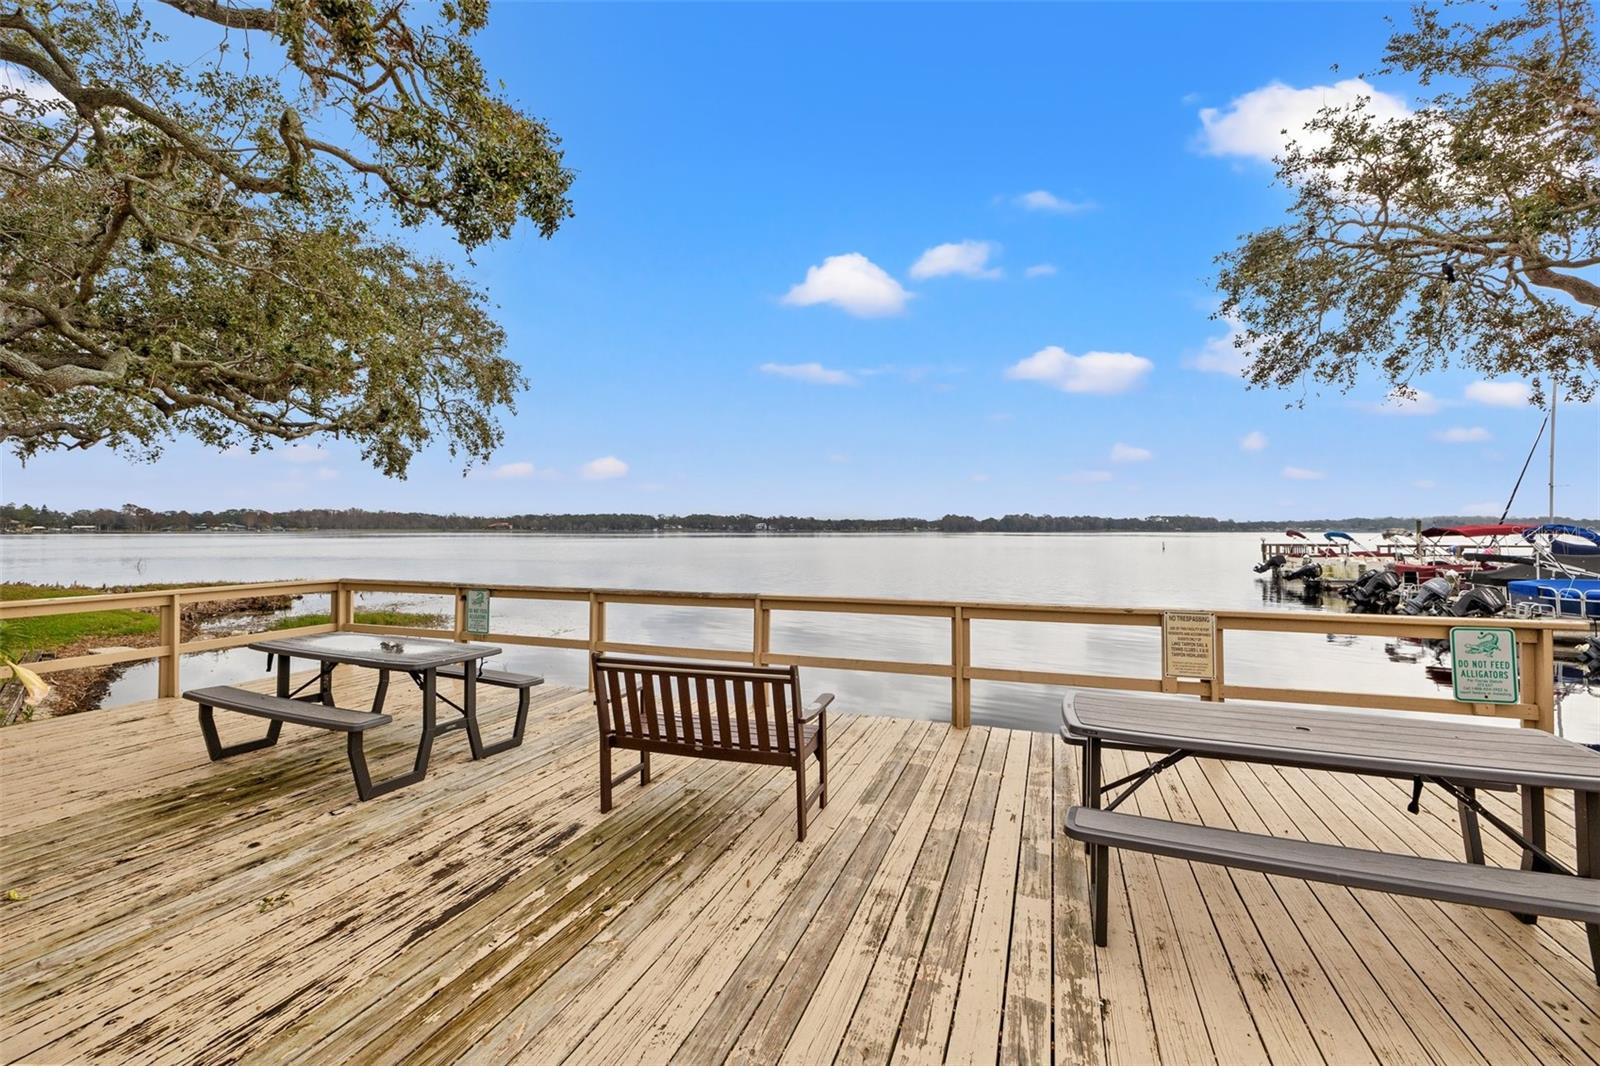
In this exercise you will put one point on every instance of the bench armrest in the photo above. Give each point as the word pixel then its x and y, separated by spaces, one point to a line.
pixel 818 708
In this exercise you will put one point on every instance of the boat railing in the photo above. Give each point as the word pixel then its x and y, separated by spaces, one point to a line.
pixel 964 664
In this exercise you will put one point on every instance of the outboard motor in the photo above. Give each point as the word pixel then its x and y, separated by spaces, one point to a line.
pixel 1373 592
pixel 1431 597
pixel 1483 601
pixel 1309 572
pixel 1270 564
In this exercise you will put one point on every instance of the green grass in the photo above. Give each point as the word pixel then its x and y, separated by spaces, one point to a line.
pixel 56 631
pixel 413 619
pixel 52 632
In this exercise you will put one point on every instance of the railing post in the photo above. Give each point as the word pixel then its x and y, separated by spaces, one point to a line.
pixel 1214 687
pixel 597 628
pixel 344 606
pixel 960 683
pixel 762 635
pixel 168 680
pixel 1544 679
pixel 460 626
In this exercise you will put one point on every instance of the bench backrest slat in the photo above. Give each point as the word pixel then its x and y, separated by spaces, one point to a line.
pixel 698 705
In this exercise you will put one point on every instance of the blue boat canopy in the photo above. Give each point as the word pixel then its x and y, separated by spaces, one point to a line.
pixel 1339 534
pixel 1555 529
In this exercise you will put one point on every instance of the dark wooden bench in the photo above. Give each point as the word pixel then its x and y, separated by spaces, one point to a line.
pixel 1551 895
pixel 280 709
pixel 523 683
pixel 747 714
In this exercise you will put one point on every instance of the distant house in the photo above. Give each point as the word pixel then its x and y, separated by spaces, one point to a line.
pixel 85 529
pixel 498 525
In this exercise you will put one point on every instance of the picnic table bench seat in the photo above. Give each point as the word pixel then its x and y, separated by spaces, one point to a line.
pixel 1551 895
pixel 281 709
pixel 751 714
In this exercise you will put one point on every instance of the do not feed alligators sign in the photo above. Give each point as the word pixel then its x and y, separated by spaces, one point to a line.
pixel 1483 665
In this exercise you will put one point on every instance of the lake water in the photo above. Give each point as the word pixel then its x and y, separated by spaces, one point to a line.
pixel 1192 570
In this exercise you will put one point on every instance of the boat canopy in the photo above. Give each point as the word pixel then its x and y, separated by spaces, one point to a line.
pixel 1295 533
pixel 1554 529
pixel 1339 534
pixel 1476 531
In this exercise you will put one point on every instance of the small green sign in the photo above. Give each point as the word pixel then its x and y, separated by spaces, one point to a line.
pixel 1483 665
pixel 477 611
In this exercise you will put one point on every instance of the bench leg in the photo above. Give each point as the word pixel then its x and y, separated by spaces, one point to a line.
pixel 822 760
pixel 1471 833
pixel 644 768
pixel 217 750
pixel 605 775
pixel 1586 824
pixel 800 798
pixel 515 739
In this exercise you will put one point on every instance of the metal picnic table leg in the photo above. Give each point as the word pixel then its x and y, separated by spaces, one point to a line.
pixel 1099 875
pixel 1533 828
pixel 358 760
pixel 283 675
pixel 1586 822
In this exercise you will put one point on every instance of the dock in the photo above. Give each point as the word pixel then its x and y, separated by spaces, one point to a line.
pixel 163 908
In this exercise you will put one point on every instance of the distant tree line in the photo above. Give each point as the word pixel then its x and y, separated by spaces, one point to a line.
pixel 132 518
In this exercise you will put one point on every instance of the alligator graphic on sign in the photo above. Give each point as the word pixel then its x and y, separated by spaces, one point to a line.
pixel 1487 644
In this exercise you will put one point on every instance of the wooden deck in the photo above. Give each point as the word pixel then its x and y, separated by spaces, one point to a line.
pixel 175 910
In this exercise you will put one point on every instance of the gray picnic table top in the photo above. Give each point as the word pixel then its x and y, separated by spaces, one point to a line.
pixel 1391 744
pixel 365 649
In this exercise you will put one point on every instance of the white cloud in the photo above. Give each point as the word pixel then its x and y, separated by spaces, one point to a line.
pixel 510 470
pixel 1087 477
pixel 1418 403
pixel 1462 435
pixel 1300 473
pixel 1128 453
pixel 853 283
pixel 812 373
pixel 1260 123
pixel 1254 441
pixel 326 473
pixel 968 259
pixel 1223 355
pixel 304 453
pixel 1040 270
pixel 1043 200
pixel 604 468
pixel 1094 372
pixel 1499 393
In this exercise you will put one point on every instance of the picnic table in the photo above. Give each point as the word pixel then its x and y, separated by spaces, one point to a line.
pixel 422 660
pixel 1458 757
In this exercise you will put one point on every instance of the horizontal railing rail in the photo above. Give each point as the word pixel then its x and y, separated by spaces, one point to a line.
pixel 1535 637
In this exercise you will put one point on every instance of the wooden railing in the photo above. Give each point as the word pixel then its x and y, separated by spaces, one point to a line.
pixel 1535 638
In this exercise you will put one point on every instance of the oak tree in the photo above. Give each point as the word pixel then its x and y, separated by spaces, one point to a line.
pixel 1462 233
pixel 207 247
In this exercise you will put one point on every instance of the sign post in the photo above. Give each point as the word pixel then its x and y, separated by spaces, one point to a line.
pixel 1483 665
pixel 477 611
pixel 1189 644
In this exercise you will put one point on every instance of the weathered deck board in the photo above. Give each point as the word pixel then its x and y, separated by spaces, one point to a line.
pixel 176 910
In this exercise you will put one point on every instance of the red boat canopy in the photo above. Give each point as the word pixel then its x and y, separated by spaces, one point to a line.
pixel 1476 531
pixel 1294 533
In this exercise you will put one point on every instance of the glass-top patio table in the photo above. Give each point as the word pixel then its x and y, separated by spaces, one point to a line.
pixel 419 659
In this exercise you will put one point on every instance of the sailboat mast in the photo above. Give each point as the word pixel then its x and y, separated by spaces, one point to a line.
pixel 1554 393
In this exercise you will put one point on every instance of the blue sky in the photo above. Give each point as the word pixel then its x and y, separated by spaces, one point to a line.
pixel 725 155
